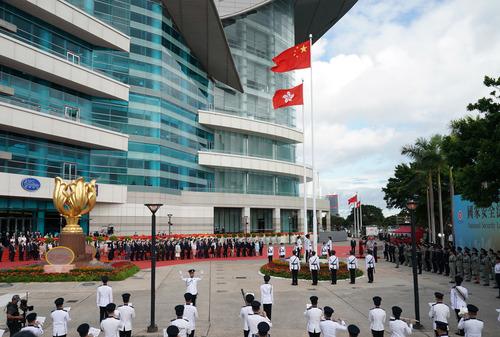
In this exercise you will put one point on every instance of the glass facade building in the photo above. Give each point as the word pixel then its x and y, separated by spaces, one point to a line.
pixel 169 86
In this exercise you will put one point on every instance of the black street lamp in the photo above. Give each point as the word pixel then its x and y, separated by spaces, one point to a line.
pixel 412 205
pixel 169 224
pixel 153 208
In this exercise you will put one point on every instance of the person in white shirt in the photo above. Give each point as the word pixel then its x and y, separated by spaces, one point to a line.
pixel 171 331
pixel 181 322
pixel 254 318
pixel 190 312
pixel 439 311
pixel 370 265
pixel 126 314
pixel 324 250
pixel 377 317
pixel 267 296
pixel 313 315
pixel 294 264
pixel 314 267
pixel 263 329
pixel 191 284
pixel 33 326
pixel 298 243
pixel 458 298
pixel 497 274
pixel 307 247
pixel 397 326
pixel 270 252
pixel 352 264
pixel 333 265
pixel 60 319
pixel 247 309
pixel 471 325
pixel 104 297
pixel 111 325
pixel 83 330
pixel 330 245
pixel 282 251
pixel 330 327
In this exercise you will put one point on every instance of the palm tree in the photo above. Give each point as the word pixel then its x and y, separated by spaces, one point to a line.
pixel 427 157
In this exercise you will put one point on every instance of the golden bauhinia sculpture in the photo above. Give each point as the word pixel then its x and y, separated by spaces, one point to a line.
pixel 73 200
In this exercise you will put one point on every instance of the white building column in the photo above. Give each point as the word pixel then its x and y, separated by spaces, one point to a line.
pixel 300 220
pixel 246 219
pixel 328 221
pixel 277 220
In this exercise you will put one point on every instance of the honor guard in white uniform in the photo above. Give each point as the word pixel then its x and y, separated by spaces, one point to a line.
pixel 263 329
pixel 191 284
pixel 397 326
pixel 111 326
pixel 377 317
pixel 370 265
pixel 180 322
pixel 33 326
pixel 314 267
pixel 441 329
pixel 458 298
pixel 333 265
pixel 270 252
pixel 471 325
pixel 247 309
pixel 126 314
pixel 324 250
pixel 353 330
pixel 282 251
pixel 352 264
pixel 329 244
pixel 104 297
pixel 313 315
pixel 254 318
pixel 60 319
pixel 439 311
pixel 83 330
pixel 299 245
pixel 307 247
pixel 190 312
pixel 330 327
pixel 294 264
pixel 267 296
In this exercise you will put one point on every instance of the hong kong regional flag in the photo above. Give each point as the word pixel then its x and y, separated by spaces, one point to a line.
pixel 297 57
pixel 288 97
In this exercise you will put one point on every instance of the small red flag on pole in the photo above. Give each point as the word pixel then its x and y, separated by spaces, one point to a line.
pixel 288 97
pixel 352 199
pixel 296 57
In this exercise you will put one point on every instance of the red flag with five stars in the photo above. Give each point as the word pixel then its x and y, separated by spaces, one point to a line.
pixel 288 97
pixel 296 57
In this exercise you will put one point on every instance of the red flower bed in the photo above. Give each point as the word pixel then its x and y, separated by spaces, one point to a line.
pixel 280 268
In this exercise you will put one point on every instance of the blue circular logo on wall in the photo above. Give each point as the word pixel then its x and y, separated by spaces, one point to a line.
pixel 30 184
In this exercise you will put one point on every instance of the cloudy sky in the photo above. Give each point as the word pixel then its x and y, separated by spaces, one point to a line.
pixel 391 71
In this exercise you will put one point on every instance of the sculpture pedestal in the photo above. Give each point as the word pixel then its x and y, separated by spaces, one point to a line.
pixel 58 268
pixel 76 242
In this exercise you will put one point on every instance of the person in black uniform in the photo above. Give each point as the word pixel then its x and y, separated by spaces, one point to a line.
pixel 353 246
pixel 14 318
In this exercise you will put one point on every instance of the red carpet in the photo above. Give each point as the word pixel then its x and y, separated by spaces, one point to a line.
pixel 342 253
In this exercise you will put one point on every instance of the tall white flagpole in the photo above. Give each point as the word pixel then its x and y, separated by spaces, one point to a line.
pixel 315 220
pixel 355 223
pixel 360 219
pixel 357 215
pixel 304 166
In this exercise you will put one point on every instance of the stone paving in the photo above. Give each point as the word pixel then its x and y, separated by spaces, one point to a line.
pixel 220 298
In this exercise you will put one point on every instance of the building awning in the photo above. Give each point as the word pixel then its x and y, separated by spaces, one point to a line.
pixel 199 24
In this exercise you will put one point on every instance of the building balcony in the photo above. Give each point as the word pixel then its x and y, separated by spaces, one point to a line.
pixel 75 21
pixel 30 122
pixel 233 161
pixel 32 60
pixel 224 121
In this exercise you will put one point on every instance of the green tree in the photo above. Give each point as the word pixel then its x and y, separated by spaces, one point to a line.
pixel 372 216
pixel 338 222
pixel 473 149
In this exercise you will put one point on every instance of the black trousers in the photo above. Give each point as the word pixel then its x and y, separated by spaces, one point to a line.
pixel 246 333
pixel 314 334
pixel 102 313
pixel 333 272
pixel 295 274
pixel 270 258
pixel 352 274
pixel 125 333
pixel 14 327
pixel 370 275
pixel 376 333
pixel 307 256
pixel 268 308
pixel 191 334
pixel 194 299
pixel 497 278
pixel 314 274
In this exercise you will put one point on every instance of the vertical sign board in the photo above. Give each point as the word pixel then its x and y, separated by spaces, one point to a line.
pixel 477 227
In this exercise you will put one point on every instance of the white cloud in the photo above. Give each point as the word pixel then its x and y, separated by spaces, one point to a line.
pixel 391 71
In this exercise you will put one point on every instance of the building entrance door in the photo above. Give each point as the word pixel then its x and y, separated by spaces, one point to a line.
pixel 16 222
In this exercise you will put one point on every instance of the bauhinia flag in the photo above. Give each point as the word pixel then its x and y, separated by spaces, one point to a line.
pixel 296 57
pixel 358 204
pixel 288 97
pixel 352 199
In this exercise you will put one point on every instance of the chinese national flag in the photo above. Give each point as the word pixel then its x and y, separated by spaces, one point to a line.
pixel 297 57
pixel 352 199
pixel 288 97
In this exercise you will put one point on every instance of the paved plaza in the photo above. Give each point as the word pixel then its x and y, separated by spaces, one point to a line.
pixel 220 299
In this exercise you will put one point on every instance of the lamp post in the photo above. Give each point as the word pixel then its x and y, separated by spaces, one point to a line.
pixel 153 208
pixel 169 224
pixel 412 205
